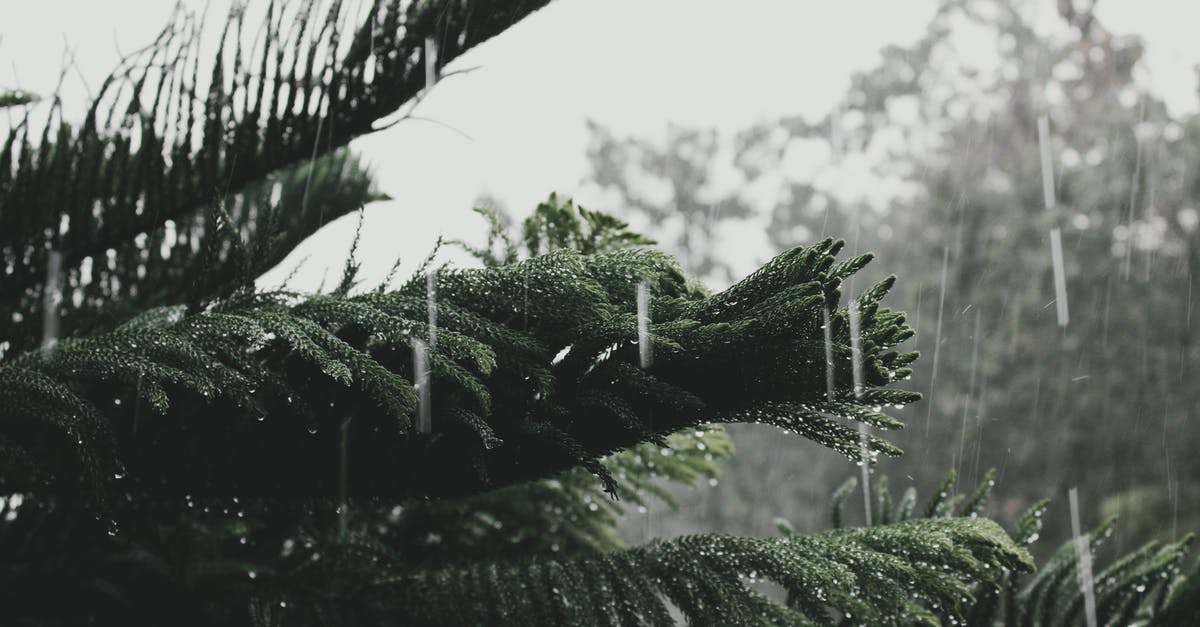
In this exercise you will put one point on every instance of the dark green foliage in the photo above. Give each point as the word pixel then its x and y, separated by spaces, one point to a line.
pixel 208 453
pixel 563 515
pixel 259 381
pixel 206 255
pixel 160 145
pixel 207 560
pixel 12 98
pixel 368 560
pixel 1183 600
pixel 839 502
pixel 553 226
pixel 870 574
pixel 1142 587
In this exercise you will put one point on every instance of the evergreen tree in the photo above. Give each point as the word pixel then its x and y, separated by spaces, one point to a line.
pixel 1147 586
pixel 444 452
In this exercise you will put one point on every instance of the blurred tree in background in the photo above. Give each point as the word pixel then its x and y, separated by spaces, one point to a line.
pixel 673 190
pixel 932 160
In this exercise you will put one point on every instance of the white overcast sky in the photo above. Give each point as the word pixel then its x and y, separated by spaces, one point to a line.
pixel 634 65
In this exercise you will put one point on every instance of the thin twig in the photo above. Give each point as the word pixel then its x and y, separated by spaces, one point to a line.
pixel 420 97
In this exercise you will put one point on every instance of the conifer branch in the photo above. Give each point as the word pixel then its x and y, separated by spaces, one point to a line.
pixel 906 573
pixel 159 144
pixel 1142 587
pixel 259 381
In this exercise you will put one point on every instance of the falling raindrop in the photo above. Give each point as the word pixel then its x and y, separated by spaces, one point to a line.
pixel 1083 554
pixel 52 299
pixel 1134 186
pixel 962 435
pixel 645 348
pixel 1060 280
pixel 344 476
pixel 937 341
pixel 525 294
pixel 863 437
pixel 1044 149
pixel 137 402
pixel 422 381
pixel 431 54
pixel 830 382
pixel 1056 253
pixel 431 307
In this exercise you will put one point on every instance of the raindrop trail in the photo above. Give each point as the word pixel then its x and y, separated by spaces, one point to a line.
pixel 863 436
pixel 52 299
pixel 962 436
pixel 431 307
pixel 937 343
pixel 1171 498
pixel 645 347
pixel 830 382
pixel 344 477
pixel 137 402
pixel 423 382
pixel 1107 311
pixel 1047 162
pixel 312 160
pixel 431 59
pixel 1188 316
pixel 1083 554
pixel 979 409
pixel 1175 513
pixel 1134 186
pixel 1060 279
pixel 1056 253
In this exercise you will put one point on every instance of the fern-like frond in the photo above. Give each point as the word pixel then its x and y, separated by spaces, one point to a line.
pixel 1143 587
pixel 247 394
pixel 898 574
pixel 160 143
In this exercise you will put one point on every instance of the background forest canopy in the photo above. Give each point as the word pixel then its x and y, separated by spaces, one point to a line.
pixel 931 161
